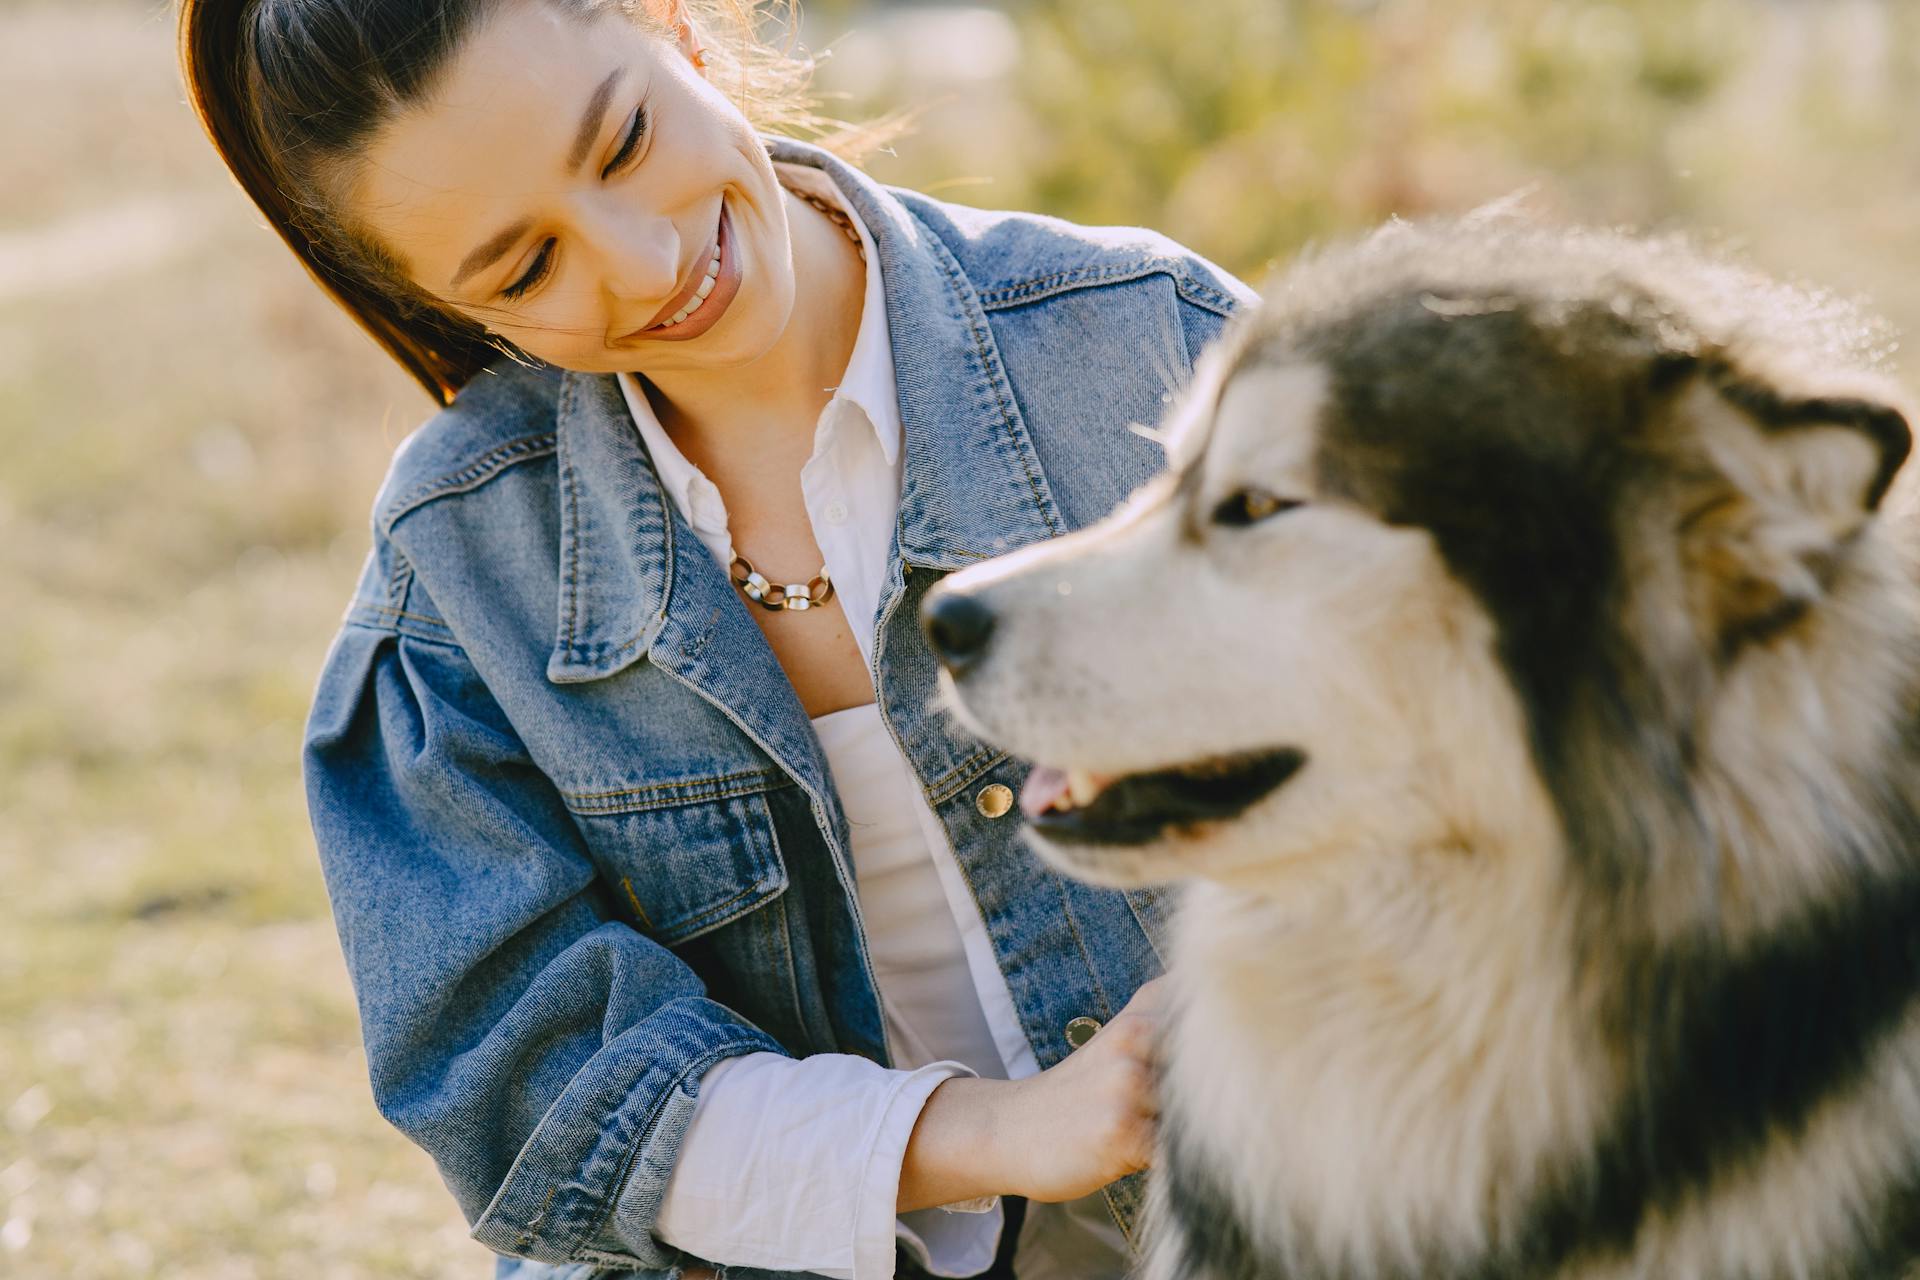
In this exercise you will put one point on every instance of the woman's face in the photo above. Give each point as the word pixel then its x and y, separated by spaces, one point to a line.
pixel 565 184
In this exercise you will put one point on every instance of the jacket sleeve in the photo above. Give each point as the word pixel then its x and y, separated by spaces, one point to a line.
pixel 545 1054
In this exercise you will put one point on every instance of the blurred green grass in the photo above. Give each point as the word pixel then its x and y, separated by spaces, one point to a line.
pixel 192 441
pixel 193 437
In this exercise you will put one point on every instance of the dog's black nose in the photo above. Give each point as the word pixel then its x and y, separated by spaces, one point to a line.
pixel 957 627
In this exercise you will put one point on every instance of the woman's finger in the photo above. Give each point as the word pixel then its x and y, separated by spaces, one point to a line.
pixel 1149 997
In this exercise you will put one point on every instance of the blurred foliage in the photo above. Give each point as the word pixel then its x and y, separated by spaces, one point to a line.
pixel 1247 128
pixel 1257 124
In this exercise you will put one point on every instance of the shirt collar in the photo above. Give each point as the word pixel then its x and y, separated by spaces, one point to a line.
pixel 867 382
pixel 636 581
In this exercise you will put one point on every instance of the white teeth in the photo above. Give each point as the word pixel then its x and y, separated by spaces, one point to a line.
pixel 706 285
pixel 1081 788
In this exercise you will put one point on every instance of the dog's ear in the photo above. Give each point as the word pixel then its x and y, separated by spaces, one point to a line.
pixel 1783 484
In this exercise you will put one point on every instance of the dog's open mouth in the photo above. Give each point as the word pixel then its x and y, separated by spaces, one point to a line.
pixel 1077 807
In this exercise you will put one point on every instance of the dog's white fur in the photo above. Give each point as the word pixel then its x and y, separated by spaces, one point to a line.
pixel 1388 1029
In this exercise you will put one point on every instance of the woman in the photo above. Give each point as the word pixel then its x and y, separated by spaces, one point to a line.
pixel 685 929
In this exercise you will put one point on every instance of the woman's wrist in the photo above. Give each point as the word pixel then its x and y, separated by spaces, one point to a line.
pixel 955 1151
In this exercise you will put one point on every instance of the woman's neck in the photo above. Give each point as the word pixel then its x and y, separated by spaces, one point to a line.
pixel 785 389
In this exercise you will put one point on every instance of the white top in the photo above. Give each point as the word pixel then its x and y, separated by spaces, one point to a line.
pixel 794 1164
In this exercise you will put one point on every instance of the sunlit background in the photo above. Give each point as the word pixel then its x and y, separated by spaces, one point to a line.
pixel 190 438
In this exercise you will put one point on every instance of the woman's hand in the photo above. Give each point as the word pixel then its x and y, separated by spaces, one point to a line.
pixel 1088 1120
pixel 1058 1135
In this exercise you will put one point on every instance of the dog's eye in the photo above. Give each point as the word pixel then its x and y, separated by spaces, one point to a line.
pixel 1251 506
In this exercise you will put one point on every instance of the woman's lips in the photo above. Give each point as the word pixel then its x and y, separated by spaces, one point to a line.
pixel 726 284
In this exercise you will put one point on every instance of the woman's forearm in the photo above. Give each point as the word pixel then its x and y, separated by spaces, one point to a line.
pixel 954 1152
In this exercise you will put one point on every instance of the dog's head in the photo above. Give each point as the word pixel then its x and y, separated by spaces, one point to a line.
pixel 1457 512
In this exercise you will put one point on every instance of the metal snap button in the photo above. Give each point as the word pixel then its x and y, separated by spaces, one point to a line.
pixel 1081 1030
pixel 994 800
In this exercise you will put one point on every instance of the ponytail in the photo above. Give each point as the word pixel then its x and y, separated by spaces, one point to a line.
pixel 225 82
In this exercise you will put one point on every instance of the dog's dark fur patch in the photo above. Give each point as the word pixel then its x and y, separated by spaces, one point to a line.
pixel 1511 423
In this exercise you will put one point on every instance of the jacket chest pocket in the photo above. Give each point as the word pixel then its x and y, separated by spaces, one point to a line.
pixel 686 858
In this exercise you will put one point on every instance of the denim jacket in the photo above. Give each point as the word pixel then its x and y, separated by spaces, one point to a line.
pixel 578 835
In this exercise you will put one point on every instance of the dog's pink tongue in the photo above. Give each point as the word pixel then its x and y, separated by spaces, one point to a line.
pixel 1042 788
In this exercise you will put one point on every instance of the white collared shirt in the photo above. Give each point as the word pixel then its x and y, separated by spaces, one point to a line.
pixel 794 1164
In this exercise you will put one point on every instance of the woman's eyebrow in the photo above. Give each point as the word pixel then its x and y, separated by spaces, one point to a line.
pixel 489 253
pixel 591 121
pixel 592 118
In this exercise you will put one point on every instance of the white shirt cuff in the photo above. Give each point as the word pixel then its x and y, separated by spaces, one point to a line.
pixel 951 1240
pixel 794 1165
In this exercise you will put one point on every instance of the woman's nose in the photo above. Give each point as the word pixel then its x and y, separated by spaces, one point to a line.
pixel 640 255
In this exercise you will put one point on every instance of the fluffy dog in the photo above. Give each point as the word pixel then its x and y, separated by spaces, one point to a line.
pixel 1517 667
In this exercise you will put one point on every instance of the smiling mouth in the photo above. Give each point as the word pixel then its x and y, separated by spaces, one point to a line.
pixel 716 279
pixel 701 290
pixel 1077 807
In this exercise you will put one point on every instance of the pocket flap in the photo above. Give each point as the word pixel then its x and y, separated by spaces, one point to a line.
pixel 684 865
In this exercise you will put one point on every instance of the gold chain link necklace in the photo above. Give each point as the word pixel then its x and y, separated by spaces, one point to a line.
pixel 818 589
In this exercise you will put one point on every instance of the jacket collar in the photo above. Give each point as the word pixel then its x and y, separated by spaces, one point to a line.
pixel 635 580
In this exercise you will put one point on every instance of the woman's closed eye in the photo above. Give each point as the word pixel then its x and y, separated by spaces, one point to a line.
pixel 542 263
pixel 631 143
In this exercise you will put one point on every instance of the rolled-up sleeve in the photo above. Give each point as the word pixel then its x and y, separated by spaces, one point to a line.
pixel 794 1165
pixel 546 1055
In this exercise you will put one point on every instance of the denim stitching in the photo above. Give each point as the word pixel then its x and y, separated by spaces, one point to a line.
pixel 1214 300
pixel 396 581
pixel 973 767
pixel 572 516
pixel 470 476
pixel 985 353
pixel 667 802
pixel 580 1251
pixel 405 633
pixel 367 606
pixel 1043 287
pixel 580 801
pixel 600 653
pixel 701 921
pixel 1074 277
pixel 678 784
pixel 783 929
pixel 533 1223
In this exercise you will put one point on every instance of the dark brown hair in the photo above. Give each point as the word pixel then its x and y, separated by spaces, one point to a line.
pixel 289 91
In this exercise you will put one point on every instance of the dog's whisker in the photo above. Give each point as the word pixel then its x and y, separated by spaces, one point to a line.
pixel 1146 432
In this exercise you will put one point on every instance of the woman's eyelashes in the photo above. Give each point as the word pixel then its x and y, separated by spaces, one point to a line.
pixel 629 145
pixel 535 273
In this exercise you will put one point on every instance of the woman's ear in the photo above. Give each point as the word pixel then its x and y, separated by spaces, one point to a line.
pixel 693 46
pixel 674 17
